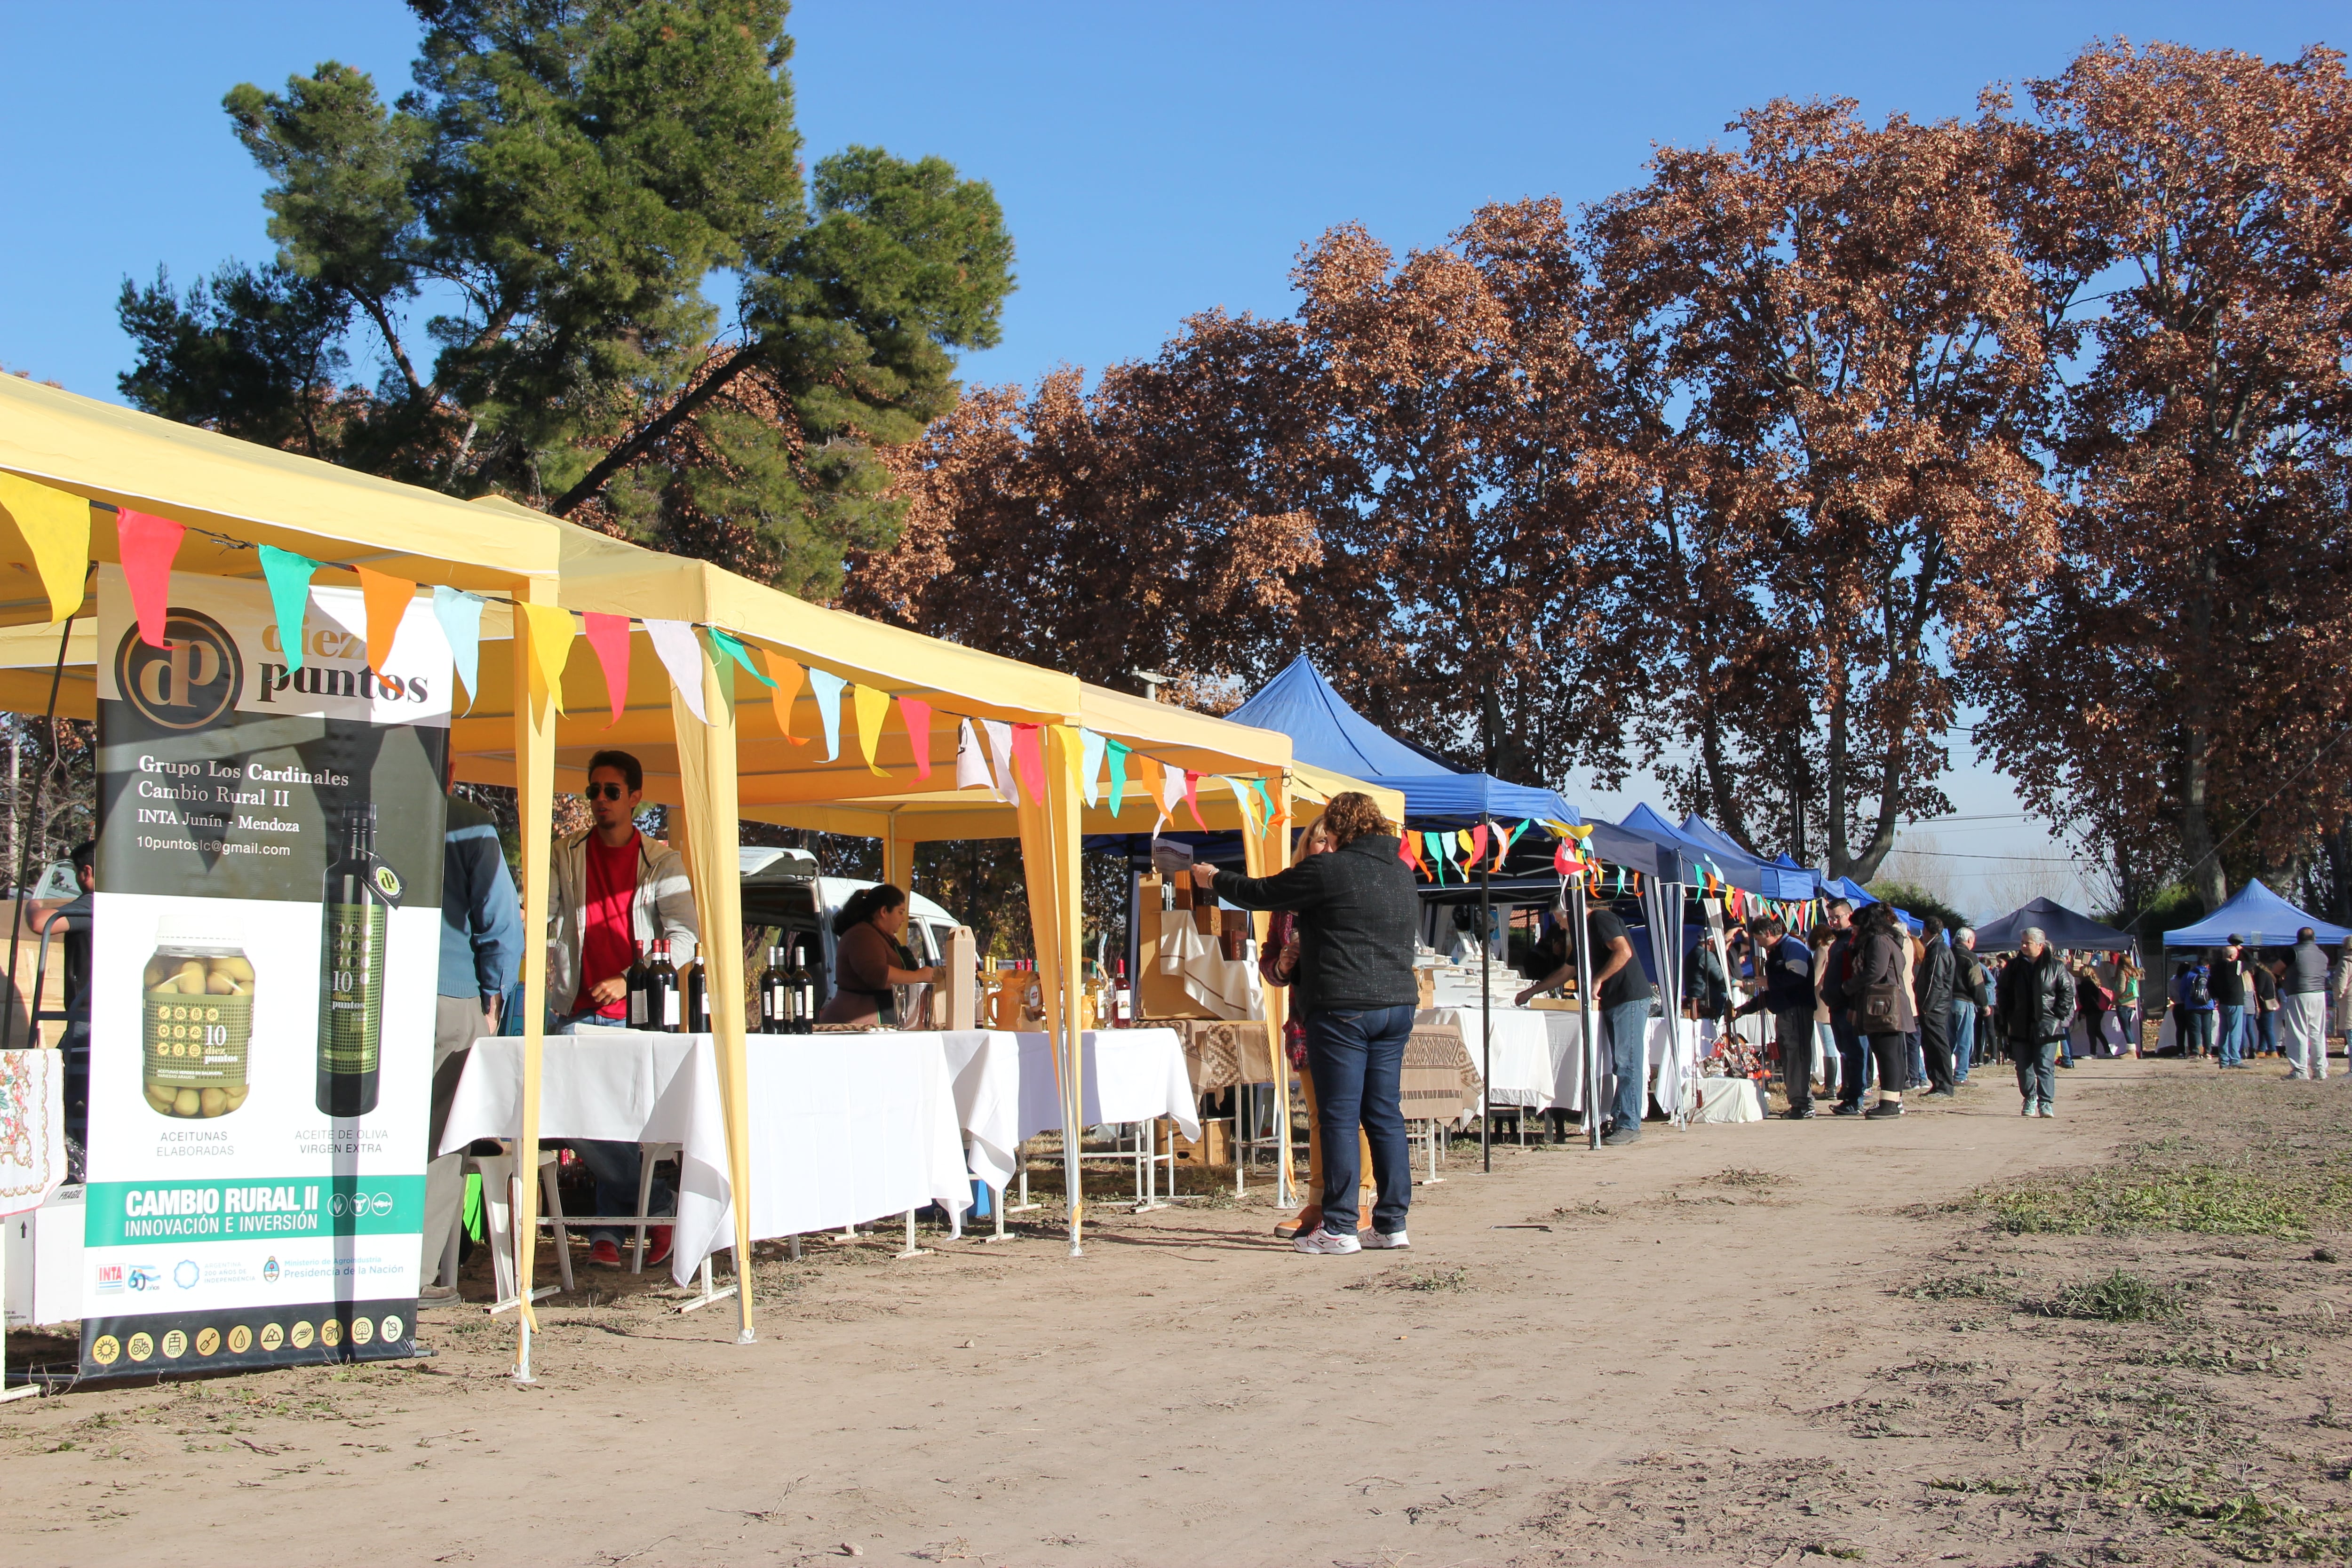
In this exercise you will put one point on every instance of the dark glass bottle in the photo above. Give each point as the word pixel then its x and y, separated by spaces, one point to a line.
pixel 359 894
pixel 696 985
pixel 803 993
pixel 775 995
pixel 661 992
pixel 640 968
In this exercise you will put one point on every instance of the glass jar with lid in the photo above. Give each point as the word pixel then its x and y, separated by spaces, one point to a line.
pixel 196 1018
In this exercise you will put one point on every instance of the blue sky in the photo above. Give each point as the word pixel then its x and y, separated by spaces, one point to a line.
pixel 1153 161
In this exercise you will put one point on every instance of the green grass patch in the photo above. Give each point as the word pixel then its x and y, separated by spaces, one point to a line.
pixel 2118 1296
pixel 2207 1199
pixel 1962 1287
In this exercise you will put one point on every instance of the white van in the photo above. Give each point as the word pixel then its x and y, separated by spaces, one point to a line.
pixel 784 900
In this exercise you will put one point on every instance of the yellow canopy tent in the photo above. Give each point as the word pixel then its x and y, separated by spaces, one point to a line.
pixel 890 688
pixel 1227 755
pixel 67 463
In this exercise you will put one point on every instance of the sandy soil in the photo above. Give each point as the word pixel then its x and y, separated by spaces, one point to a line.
pixel 1734 1345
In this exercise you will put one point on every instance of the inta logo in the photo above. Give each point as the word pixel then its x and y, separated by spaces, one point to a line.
pixel 189 683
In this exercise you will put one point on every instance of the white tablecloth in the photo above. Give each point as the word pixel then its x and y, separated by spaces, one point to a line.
pixel 1728 1100
pixel 32 1128
pixel 1004 1086
pixel 1538 1061
pixel 1228 988
pixel 850 1127
pixel 621 1086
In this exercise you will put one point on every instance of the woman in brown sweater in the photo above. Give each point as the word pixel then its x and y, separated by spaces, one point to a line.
pixel 868 958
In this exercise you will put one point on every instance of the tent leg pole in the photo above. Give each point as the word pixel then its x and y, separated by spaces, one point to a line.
pixel 1486 989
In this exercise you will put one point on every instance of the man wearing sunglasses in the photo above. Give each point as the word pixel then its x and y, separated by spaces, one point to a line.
pixel 614 888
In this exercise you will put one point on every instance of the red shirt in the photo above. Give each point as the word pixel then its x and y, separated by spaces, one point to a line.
pixel 608 937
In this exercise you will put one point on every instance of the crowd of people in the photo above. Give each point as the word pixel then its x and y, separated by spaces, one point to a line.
pixel 1866 1004
pixel 2236 1002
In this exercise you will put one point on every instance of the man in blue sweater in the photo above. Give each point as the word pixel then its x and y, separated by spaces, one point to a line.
pixel 1788 996
pixel 481 954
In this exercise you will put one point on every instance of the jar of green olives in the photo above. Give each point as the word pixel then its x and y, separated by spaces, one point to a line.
pixel 197 1019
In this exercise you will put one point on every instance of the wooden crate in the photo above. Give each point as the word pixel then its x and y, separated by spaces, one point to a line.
pixel 1215 1147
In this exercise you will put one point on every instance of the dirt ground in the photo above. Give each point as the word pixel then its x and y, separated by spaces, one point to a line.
pixel 1963 1337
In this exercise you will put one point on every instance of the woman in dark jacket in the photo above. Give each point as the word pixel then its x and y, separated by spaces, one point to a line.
pixel 2034 1006
pixel 867 959
pixel 1358 913
pixel 1879 963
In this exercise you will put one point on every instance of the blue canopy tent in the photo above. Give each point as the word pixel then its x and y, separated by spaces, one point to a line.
pixel 2060 926
pixel 2257 915
pixel 1325 730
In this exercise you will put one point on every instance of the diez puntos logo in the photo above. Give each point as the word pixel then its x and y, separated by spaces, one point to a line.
pixel 186 684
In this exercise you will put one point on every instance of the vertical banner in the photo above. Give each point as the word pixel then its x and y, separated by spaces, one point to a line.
pixel 266 942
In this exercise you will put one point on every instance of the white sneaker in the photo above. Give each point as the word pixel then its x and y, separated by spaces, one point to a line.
pixel 1378 1240
pixel 1322 1240
pixel 2029 1109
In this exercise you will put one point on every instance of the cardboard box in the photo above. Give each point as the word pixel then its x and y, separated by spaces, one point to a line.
pixel 1162 996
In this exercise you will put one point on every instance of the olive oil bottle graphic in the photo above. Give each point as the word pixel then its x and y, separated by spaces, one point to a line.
pixel 361 893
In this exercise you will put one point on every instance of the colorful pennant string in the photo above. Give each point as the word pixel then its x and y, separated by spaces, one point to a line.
pixel 1192 797
pixel 999 751
pixel 728 643
pixel 1118 755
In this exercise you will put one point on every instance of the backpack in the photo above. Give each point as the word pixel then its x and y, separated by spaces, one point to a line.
pixel 2200 988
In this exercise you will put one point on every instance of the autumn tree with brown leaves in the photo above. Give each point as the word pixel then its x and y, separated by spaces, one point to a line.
pixel 2177 683
pixel 1835 360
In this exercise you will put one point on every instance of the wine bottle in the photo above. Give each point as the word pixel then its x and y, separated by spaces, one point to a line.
pixel 640 968
pixel 661 996
pixel 697 998
pixel 803 992
pixel 361 892
pixel 774 1001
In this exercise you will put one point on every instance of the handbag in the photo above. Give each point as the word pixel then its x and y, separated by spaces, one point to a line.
pixel 1876 1007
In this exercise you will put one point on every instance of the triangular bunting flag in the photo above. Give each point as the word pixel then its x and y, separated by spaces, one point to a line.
pixel 783 691
pixel 460 615
pixel 547 645
pixel 1090 761
pixel 730 644
pixel 609 636
pixel 1265 804
pixel 972 763
pixel 1477 844
pixel 289 576
pixel 56 526
pixel 146 545
pixel 1029 758
pixel 1242 801
pixel 388 599
pixel 917 716
pixel 870 704
pixel 826 687
pixel 1118 755
pixel 1162 788
pixel 1437 855
pixel 1192 797
pixel 1000 748
pixel 681 654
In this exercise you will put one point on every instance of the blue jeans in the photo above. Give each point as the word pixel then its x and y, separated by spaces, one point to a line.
pixel 2037 1079
pixel 1964 1039
pixel 1854 1058
pixel 618 1167
pixel 2199 1040
pixel 1919 1061
pixel 1629 1060
pixel 2266 1030
pixel 2233 1024
pixel 1358 1060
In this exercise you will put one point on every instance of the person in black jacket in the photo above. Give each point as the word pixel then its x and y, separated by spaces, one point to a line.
pixel 1357 915
pixel 2035 1005
pixel 1788 994
pixel 1878 967
pixel 1932 991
